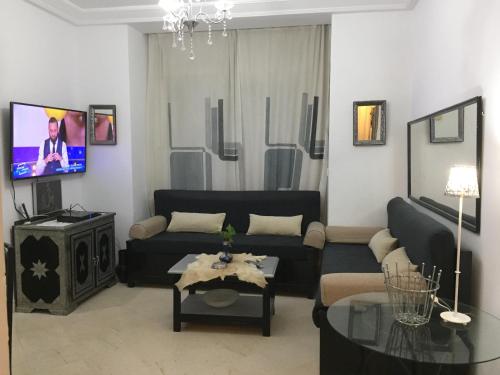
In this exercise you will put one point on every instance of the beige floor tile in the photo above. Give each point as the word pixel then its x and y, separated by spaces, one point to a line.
pixel 129 331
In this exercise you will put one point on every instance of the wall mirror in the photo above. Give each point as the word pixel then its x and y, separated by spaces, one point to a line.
pixel 369 123
pixel 102 124
pixel 429 161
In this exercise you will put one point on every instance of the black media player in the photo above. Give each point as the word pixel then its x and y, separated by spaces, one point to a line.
pixel 76 216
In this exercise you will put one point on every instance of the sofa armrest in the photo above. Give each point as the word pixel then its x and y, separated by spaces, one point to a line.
pixel 148 228
pixel 315 235
pixel 353 235
pixel 335 286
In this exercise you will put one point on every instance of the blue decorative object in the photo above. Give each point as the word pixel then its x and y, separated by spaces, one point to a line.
pixel 227 257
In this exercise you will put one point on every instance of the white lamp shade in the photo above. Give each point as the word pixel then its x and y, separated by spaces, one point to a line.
pixel 462 182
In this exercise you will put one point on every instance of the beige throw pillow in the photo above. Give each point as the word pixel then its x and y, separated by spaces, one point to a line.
pixel 400 258
pixel 148 228
pixel 382 243
pixel 196 222
pixel 276 225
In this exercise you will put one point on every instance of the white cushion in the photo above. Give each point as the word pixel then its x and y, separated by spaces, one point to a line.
pixel 400 258
pixel 196 222
pixel 382 243
pixel 275 225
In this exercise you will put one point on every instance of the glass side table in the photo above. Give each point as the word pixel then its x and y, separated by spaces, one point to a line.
pixel 370 341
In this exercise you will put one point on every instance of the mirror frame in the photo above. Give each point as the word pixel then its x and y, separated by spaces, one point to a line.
pixel 479 154
pixel 383 130
pixel 459 138
pixel 92 110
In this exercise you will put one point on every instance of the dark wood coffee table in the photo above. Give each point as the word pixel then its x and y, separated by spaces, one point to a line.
pixel 255 307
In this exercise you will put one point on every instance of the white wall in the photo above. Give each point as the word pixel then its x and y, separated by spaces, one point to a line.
pixel 35 67
pixel 104 78
pixel 45 60
pixel 370 61
pixel 457 57
pixel 138 79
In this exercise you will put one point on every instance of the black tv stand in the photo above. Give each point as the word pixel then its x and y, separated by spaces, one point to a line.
pixel 72 216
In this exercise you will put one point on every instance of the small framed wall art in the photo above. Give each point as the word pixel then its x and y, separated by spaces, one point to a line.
pixel 102 124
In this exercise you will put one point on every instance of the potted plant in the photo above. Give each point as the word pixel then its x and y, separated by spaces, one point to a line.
pixel 227 241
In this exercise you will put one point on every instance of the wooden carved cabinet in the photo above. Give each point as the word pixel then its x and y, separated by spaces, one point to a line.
pixel 60 265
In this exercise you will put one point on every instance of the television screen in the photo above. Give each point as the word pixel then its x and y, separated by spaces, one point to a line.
pixel 47 141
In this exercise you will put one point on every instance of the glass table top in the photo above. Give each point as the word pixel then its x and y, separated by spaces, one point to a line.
pixel 366 319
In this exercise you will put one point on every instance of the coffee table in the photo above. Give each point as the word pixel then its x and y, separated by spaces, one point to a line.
pixel 368 340
pixel 255 307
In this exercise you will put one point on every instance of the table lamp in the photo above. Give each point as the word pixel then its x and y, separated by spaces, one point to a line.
pixel 462 183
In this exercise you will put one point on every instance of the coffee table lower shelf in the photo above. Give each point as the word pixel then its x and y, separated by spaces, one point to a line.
pixel 247 310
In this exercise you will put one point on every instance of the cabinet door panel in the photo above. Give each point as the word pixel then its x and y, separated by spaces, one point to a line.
pixel 105 251
pixel 82 263
pixel 39 258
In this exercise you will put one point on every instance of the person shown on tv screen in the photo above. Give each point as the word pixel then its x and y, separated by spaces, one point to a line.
pixel 52 154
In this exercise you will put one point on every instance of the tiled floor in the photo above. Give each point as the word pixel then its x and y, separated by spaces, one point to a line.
pixel 129 331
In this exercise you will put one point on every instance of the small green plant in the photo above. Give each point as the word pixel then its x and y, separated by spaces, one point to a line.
pixel 228 233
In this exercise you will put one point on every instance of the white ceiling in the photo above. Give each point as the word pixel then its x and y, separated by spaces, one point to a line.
pixel 146 15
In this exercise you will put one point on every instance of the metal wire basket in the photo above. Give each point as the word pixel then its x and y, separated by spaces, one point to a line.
pixel 411 294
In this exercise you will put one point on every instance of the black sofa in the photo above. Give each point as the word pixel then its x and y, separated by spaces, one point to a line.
pixel 425 240
pixel 298 269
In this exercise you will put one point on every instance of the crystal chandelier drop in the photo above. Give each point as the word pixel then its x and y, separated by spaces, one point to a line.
pixel 182 16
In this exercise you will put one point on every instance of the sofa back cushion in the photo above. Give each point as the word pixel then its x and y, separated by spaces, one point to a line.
pixel 275 225
pixel 425 240
pixel 238 205
pixel 196 222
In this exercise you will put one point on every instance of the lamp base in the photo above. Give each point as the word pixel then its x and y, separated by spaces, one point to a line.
pixel 455 317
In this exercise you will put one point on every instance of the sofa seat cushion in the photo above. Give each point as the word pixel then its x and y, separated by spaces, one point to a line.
pixel 349 258
pixel 335 286
pixel 284 247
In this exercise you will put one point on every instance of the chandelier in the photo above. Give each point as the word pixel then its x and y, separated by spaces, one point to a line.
pixel 182 16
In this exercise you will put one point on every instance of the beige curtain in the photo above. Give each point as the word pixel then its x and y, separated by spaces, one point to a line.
pixel 249 113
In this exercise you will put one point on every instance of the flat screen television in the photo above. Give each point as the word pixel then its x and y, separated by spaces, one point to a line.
pixel 46 141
